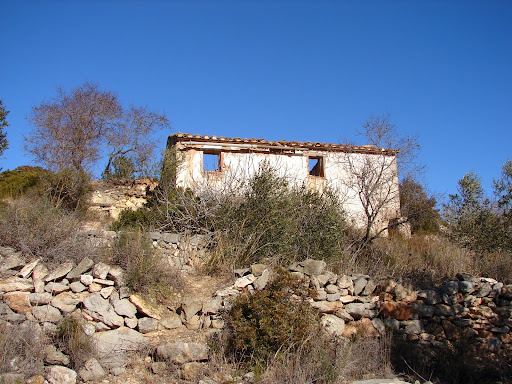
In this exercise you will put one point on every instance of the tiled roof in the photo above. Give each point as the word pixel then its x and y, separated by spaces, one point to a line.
pixel 182 137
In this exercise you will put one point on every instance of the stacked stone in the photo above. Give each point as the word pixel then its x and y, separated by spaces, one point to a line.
pixel 110 199
pixel 347 304
pixel 466 307
pixel 181 251
pixel 94 292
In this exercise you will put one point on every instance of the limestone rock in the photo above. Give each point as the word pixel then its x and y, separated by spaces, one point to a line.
pixel 47 313
pixel 60 375
pixel 56 288
pixel 124 308
pixel 360 285
pixel 244 281
pixel 16 284
pixel 80 269
pixel 101 310
pixel 95 287
pixel 100 270
pixel 18 301
pixel 59 272
pixel 117 275
pixel 86 279
pixel 106 292
pixel 191 371
pixel 113 347
pixel 312 267
pixel 14 260
pixel 330 289
pixel 92 371
pixel 257 269
pixel 413 327
pixel 40 271
pixel 171 321
pixel 28 268
pixel 191 308
pixel 148 324
pixel 345 282
pixel 66 301
pixel 7 314
pixel 52 356
pixel 77 286
pixel 144 307
pixel 40 298
pixel 358 310
pixel 333 324
pixel 181 353
pixel 212 306
pixel 261 282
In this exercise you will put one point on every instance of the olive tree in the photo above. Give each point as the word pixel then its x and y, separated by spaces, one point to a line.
pixel 78 128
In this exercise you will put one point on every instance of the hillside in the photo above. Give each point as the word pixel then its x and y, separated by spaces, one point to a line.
pixel 106 296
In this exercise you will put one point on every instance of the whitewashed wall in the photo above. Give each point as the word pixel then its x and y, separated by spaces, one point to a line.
pixel 239 166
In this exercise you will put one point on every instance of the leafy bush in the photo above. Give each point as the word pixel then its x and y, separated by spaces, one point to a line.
pixel 39 229
pixel 275 320
pixel 72 340
pixel 146 273
pixel 23 179
pixel 272 221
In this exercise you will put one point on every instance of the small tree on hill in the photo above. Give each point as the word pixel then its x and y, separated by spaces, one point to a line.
pixel 418 207
pixel 473 218
pixel 374 178
pixel 3 123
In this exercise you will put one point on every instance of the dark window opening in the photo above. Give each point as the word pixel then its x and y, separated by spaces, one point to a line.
pixel 211 162
pixel 316 166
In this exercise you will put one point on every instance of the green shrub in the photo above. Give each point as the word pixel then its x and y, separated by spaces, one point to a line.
pixel 273 321
pixel 146 273
pixel 72 340
pixel 272 221
pixel 23 179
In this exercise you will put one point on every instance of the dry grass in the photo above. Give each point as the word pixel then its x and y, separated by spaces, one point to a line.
pixel 21 348
pixel 423 259
pixel 146 273
pixel 331 361
pixel 39 229
pixel 72 340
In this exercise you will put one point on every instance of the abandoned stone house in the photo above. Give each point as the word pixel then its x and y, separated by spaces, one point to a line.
pixel 214 163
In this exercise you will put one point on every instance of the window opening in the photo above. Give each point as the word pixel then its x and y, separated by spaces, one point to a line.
pixel 316 166
pixel 211 162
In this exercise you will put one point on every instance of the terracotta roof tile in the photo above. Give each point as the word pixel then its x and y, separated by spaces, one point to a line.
pixel 288 144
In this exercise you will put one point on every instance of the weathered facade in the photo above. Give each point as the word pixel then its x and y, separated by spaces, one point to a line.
pixel 364 177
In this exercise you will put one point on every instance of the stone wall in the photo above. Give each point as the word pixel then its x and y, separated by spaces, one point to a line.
pixel 108 198
pixel 475 309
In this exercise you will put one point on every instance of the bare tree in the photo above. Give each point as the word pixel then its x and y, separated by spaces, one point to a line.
pixel 131 137
pixel 373 177
pixel 77 129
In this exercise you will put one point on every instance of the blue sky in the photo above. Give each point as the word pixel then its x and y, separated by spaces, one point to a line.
pixel 294 70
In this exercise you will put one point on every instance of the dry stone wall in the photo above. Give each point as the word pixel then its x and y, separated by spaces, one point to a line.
pixel 475 309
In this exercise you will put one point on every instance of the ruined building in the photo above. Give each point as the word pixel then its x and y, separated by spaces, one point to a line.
pixel 365 177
